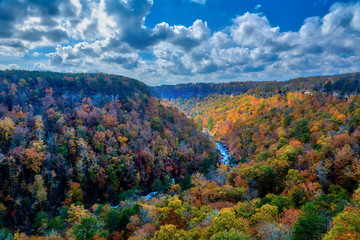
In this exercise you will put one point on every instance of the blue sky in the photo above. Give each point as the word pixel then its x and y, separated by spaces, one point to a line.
pixel 179 41
pixel 289 15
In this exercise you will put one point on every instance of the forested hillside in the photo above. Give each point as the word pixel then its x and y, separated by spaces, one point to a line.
pixel 312 133
pixel 343 84
pixel 79 153
pixel 296 153
pixel 87 137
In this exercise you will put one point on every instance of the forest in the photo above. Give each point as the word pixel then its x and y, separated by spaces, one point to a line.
pixel 80 154
pixel 71 140
pixel 343 84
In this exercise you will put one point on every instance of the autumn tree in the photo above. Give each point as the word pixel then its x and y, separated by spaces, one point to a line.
pixel 38 190
pixel 346 225
pixel 7 128
pixel 34 159
pixel 169 232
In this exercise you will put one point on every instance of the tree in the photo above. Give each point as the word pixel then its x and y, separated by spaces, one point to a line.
pixel 343 157
pixel 126 213
pixel 38 190
pixel 86 228
pixel 39 126
pixel 293 179
pixel 232 234
pixel 266 213
pixel 169 232
pixel 261 177
pixel 157 185
pixel 5 234
pixel 310 225
pixel 302 130
pixel 328 86
pixel 34 159
pixel 156 123
pixel 273 231
pixel 75 193
pixel 280 201
pixel 210 124
pixel 186 182
pixel 287 120
pixel 75 213
pixel 41 222
pixel 225 222
pixel 243 209
pixel 7 128
pixel 346 225
pixel 113 220
pixel 56 224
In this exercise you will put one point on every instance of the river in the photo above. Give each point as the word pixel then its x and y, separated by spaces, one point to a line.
pixel 225 155
pixel 225 159
pixel 224 152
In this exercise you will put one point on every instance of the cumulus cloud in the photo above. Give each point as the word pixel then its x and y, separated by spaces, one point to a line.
pixel 11 66
pixel 110 35
pixel 252 48
pixel 31 24
pixel 41 66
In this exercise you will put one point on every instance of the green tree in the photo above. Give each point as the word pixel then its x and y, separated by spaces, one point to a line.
pixel 57 224
pixel 5 234
pixel 157 185
pixel 288 119
pixel 302 131
pixel 41 222
pixel 156 123
pixel 210 124
pixel 167 182
pixel 311 224
pixel 243 209
pixel 186 183
pixel 112 220
pixel 328 86
pixel 280 201
pixel 126 213
pixel 86 228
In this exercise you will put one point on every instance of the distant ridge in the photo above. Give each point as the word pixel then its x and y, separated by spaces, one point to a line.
pixel 342 84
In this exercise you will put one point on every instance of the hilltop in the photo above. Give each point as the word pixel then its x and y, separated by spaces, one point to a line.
pixel 343 84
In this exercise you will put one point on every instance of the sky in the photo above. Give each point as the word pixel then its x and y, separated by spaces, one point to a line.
pixel 181 41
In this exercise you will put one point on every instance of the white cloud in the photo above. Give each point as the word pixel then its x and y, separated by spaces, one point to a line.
pixel 252 48
pixel 198 1
pixel 110 36
pixel 42 66
pixel 11 66
pixel 249 48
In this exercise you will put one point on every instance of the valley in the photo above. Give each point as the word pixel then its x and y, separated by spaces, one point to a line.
pixel 97 156
pixel 179 120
